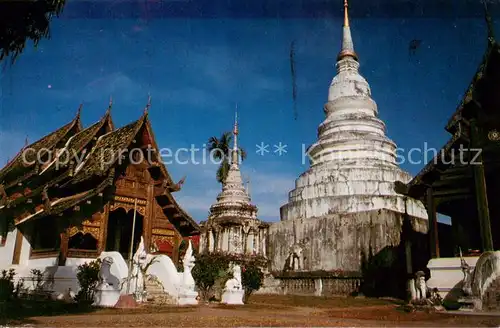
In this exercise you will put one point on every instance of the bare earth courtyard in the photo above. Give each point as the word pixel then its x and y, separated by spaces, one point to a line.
pixel 263 310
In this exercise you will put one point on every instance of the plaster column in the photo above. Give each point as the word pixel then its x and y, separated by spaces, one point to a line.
pixel 211 245
pixel 257 244
pixel 250 238
pixel 230 239
pixel 220 240
pixel 263 243
pixel 203 240
pixel 225 240
pixel 218 237
pixel 217 243
pixel 240 240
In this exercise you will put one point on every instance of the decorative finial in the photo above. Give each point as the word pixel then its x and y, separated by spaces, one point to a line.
pixel 110 105
pixel 235 153
pixel 148 105
pixel 235 131
pixel 347 44
pixel 346 14
pixel 26 142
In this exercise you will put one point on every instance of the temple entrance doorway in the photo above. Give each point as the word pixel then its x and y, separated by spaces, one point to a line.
pixel 119 233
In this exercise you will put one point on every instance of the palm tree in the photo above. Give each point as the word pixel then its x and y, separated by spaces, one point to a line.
pixel 220 149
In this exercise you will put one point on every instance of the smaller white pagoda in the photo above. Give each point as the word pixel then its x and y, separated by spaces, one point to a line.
pixel 232 226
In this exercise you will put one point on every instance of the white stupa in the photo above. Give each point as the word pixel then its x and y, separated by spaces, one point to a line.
pixel 344 207
pixel 353 163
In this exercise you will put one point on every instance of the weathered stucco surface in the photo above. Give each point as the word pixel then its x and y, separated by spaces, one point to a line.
pixel 342 188
pixel 338 241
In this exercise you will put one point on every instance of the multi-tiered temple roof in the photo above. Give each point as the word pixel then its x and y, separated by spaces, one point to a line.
pixel 78 166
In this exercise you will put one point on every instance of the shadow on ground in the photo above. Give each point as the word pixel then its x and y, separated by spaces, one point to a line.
pixel 20 311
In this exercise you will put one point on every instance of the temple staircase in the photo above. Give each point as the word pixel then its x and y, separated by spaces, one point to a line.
pixel 469 304
pixel 156 294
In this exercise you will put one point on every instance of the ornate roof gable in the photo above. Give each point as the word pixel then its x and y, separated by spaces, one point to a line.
pixel 107 151
pixel 48 142
pixel 79 141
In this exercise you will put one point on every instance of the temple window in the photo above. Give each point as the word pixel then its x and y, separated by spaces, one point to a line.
pixel 45 236
pixel 82 241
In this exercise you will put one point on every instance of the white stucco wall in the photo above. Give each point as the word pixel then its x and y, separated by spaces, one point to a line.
pixel 337 241
pixel 7 251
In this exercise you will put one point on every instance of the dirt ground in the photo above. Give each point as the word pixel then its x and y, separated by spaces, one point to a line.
pixel 266 310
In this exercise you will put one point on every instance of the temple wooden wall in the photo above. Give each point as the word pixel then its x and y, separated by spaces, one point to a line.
pixel 136 183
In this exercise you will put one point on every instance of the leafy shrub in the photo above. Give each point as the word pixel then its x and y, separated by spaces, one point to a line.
pixel 209 269
pixel 88 278
pixel 252 278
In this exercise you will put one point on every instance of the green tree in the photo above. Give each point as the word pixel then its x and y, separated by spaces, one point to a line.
pixel 88 278
pixel 220 149
pixel 23 20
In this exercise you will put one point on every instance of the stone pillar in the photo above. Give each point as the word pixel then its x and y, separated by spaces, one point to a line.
pixel 230 239
pixel 203 240
pixel 240 240
pixel 225 240
pixel 211 246
pixel 257 243
pixel 250 238
pixel 480 191
pixel 433 225
pixel 264 242
pixel 218 240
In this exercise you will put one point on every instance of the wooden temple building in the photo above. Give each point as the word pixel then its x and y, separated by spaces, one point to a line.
pixel 463 180
pixel 78 191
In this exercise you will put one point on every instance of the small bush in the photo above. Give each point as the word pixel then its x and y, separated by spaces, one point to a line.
pixel 88 278
pixel 252 279
pixel 209 269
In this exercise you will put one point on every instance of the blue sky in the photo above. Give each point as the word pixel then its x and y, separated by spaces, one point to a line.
pixel 198 69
